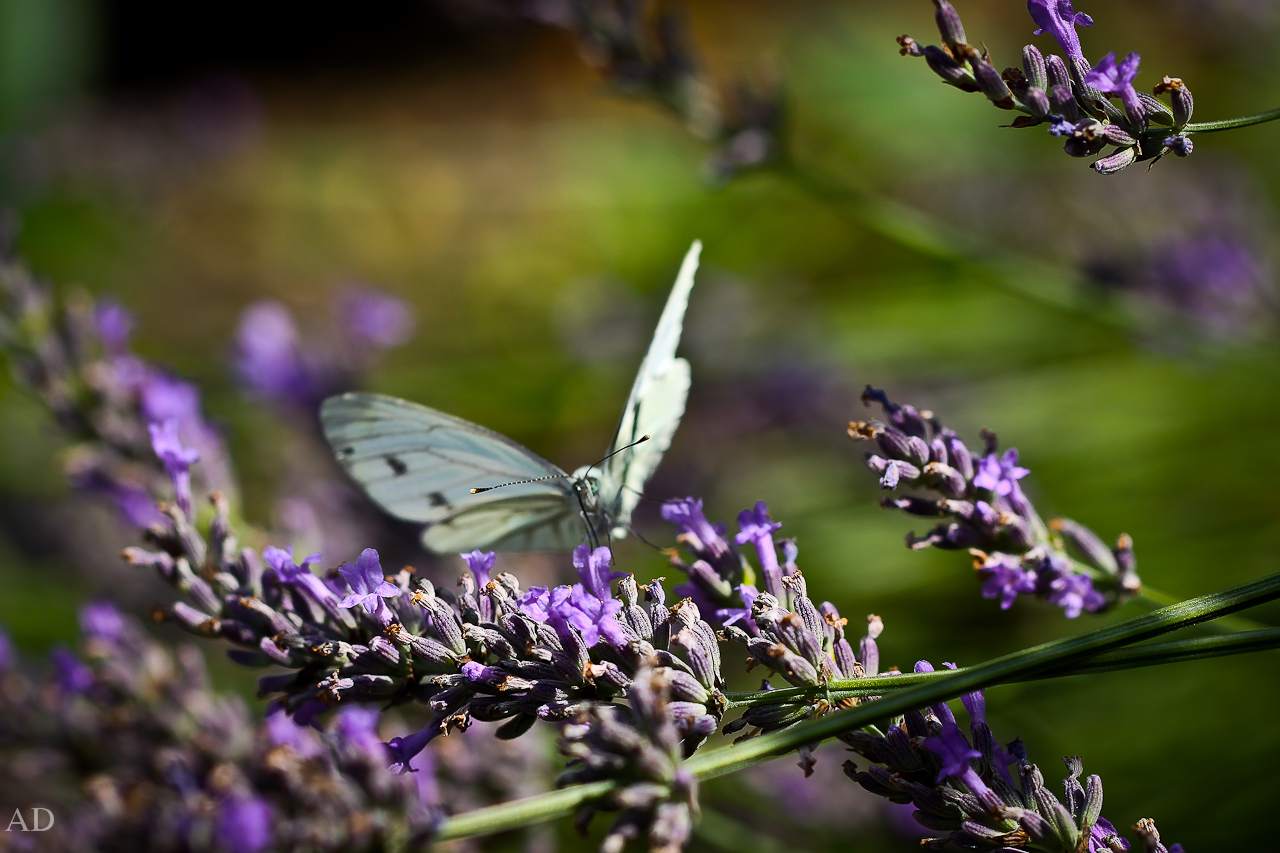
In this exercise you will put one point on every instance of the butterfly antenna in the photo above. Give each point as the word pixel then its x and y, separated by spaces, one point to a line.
pixel 516 483
pixel 641 440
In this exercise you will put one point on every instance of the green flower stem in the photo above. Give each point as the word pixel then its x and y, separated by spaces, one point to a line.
pixel 1048 656
pixel 1225 625
pixel 1231 123
pixel 525 812
pixel 1134 657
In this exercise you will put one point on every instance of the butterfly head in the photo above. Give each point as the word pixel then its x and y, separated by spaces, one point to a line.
pixel 586 481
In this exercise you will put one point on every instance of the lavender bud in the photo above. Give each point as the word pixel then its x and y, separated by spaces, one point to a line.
pixel 909 46
pixel 946 479
pixel 1033 66
pixel 685 687
pixel 949 26
pixel 1092 808
pixel 990 83
pixel 1056 71
pixel 1115 135
pixel 951 71
pixel 1087 544
pixel 1063 102
pixel 1154 110
pixel 696 656
pixel 1180 97
pixel 1037 101
pixel 1181 146
pixel 1116 162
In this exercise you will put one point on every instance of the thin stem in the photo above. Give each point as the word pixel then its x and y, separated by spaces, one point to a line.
pixel 1226 625
pixel 518 813
pixel 1231 123
pixel 1153 654
pixel 1043 658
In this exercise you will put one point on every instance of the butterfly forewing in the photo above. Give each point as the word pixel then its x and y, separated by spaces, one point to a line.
pixel 654 407
pixel 421 465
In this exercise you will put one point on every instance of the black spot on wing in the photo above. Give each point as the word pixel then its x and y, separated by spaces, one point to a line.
pixel 397 466
pixel 438 499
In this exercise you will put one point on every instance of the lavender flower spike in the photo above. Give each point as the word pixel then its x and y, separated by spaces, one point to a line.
pixel 1111 78
pixel 1060 19
pixel 176 458
pixel 368 586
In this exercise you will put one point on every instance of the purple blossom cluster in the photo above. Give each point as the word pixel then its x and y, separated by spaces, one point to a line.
pixel 134 751
pixel 273 362
pixel 1071 96
pixel 635 684
pixel 963 787
pixel 1015 552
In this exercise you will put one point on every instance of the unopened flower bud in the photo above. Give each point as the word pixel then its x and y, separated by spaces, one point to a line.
pixel 1033 65
pixel 1156 111
pixel 991 84
pixel 1180 97
pixel 951 71
pixel 949 26
pixel 1057 72
pixel 1061 101
pixel 1116 162
pixel 1115 135
pixel 1036 100
pixel 909 46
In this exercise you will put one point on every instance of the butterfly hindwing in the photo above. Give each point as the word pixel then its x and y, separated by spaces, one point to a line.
pixel 534 523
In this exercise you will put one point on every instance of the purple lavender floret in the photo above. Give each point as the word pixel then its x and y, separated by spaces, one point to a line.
pixel 244 824
pixel 756 527
pixel 593 567
pixel 269 360
pixel 1111 78
pixel 1000 475
pixel 368 586
pixel 375 318
pixel 177 459
pixel 1005 579
pixel 273 363
pixel 102 620
pixel 481 564
pixel 1060 19
pixel 70 673
pixel 402 750
pixel 115 324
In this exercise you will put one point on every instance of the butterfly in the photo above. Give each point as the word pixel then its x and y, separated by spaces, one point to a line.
pixel 422 465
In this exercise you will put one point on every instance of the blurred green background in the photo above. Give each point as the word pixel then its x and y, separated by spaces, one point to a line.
pixel 468 161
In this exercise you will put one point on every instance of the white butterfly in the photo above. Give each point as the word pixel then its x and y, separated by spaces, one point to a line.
pixel 422 465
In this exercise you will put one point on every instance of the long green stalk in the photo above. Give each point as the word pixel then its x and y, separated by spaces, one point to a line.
pixel 1232 123
pixel 1043 658
pixel 1151 654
